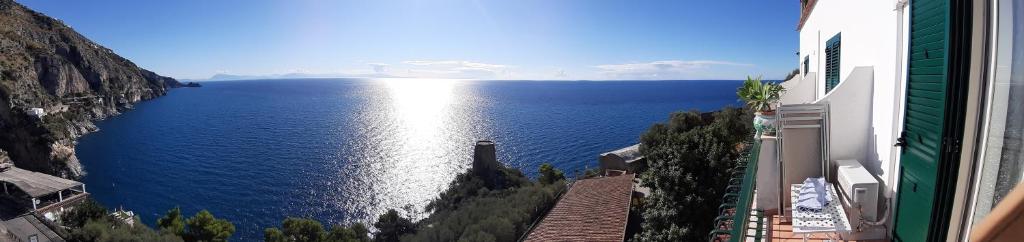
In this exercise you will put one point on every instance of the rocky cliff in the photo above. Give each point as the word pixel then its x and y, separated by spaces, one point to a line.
pixel 53 83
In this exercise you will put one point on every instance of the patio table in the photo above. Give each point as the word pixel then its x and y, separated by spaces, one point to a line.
pixel 831 220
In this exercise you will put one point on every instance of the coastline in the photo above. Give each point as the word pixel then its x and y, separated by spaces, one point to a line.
pixel 54 84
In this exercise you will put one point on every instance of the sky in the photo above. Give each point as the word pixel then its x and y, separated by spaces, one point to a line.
pixel 474 39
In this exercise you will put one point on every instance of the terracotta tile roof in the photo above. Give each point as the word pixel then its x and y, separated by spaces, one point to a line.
pixel 592 210
pixel 806 6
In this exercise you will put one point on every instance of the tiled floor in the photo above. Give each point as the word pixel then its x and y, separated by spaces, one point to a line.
pixel 783 232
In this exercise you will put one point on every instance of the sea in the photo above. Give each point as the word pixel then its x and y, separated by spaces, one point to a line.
pixel 345 150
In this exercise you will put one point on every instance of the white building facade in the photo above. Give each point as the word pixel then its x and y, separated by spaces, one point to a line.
pixel 928 95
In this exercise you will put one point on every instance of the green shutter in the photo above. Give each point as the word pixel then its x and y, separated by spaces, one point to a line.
pixel 832 53
pixel 923 121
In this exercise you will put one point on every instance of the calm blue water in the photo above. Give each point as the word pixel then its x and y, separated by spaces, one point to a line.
pixel 345 150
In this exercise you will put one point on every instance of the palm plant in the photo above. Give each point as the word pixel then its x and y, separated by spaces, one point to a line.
pixel 760 96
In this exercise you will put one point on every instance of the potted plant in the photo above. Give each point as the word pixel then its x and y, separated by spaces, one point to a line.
pixel 761 97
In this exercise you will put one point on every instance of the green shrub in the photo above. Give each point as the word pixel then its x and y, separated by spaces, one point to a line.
pixel 308 230
pixel 83 213
pixel 274 235
pixel 105 230
pixel 172 223
pixel 548 174
pixel 205 227
pixel 792 74
pixel 481 214
pixel 391 226
pixel 760 96
pixel 688 158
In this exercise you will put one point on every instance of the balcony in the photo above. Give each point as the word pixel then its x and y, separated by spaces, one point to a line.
pixel 740 219
pixel 813 134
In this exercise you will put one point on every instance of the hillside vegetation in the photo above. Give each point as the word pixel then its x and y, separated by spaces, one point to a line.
pixel 488 203
pixel 689 157
pixel 91 222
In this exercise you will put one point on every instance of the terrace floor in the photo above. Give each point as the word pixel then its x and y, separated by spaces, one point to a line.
pixel 783 232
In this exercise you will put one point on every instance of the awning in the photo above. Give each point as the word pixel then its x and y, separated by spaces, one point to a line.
pixel 36 184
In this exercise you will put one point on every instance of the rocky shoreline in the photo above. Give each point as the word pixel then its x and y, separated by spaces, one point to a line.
pixel 54 83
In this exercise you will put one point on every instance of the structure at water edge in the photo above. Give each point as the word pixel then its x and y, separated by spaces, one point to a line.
pixel 32 201
pixel 626 159
pixel 485 157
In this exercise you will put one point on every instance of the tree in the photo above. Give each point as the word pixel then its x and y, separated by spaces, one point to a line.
pixel 500 228
pixel 273 235
pixel 549 174
pixel 689 158
pixel 303 230
pixel 98 230
pixel 362 233
pixel 308 230
pixel 791 74
pixel 478 236
pixel 502 215
pixel 355 233
pixel 83 212
pixel 340 234
pixel 204 227
pixel 172 222
pixel 391 226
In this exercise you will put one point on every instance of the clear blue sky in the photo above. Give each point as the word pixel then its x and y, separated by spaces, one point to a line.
pixel 522 39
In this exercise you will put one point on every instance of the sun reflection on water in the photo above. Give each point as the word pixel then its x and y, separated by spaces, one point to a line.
pixel 422 105
pixel 424 122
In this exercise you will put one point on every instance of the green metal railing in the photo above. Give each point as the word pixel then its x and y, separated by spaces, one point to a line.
pixel 736 210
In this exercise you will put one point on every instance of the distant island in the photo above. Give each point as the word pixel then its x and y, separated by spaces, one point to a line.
pixel 231 77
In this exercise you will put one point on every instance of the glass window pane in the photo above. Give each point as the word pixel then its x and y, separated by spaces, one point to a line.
pixel 1003 161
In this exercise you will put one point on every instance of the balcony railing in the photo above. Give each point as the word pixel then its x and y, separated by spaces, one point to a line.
pixel 736 212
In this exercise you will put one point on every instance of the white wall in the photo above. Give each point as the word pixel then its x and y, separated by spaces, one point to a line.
pixel 849 116
pixel 870 39
pixel 768 175
pixel 799 90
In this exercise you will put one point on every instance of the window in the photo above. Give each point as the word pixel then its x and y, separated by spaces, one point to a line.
pixel 807 64
pixel 1002 157
pixel 832 51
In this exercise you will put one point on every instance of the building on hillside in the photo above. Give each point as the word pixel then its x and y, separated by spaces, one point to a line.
pixel 37 112
pixel 926 97
pixel 124 216
pixel 33 192
pixel 27 227
pixel 595 209
pixel 626 159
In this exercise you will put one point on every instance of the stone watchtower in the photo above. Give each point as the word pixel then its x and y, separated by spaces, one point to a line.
pixel 486 166
pixel 485 158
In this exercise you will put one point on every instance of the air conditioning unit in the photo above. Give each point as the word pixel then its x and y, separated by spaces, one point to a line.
pixel 860 188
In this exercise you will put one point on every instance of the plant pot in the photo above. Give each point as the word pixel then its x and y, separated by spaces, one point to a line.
pixel 764 123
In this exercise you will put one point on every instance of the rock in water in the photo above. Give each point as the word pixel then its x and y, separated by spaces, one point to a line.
pixel 47 65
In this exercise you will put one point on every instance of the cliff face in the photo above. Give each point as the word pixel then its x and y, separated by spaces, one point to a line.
pixel 46 64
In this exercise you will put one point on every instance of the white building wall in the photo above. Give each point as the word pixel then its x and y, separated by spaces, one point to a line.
pixel 869 38
pixel 850 127
pixel 799 90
